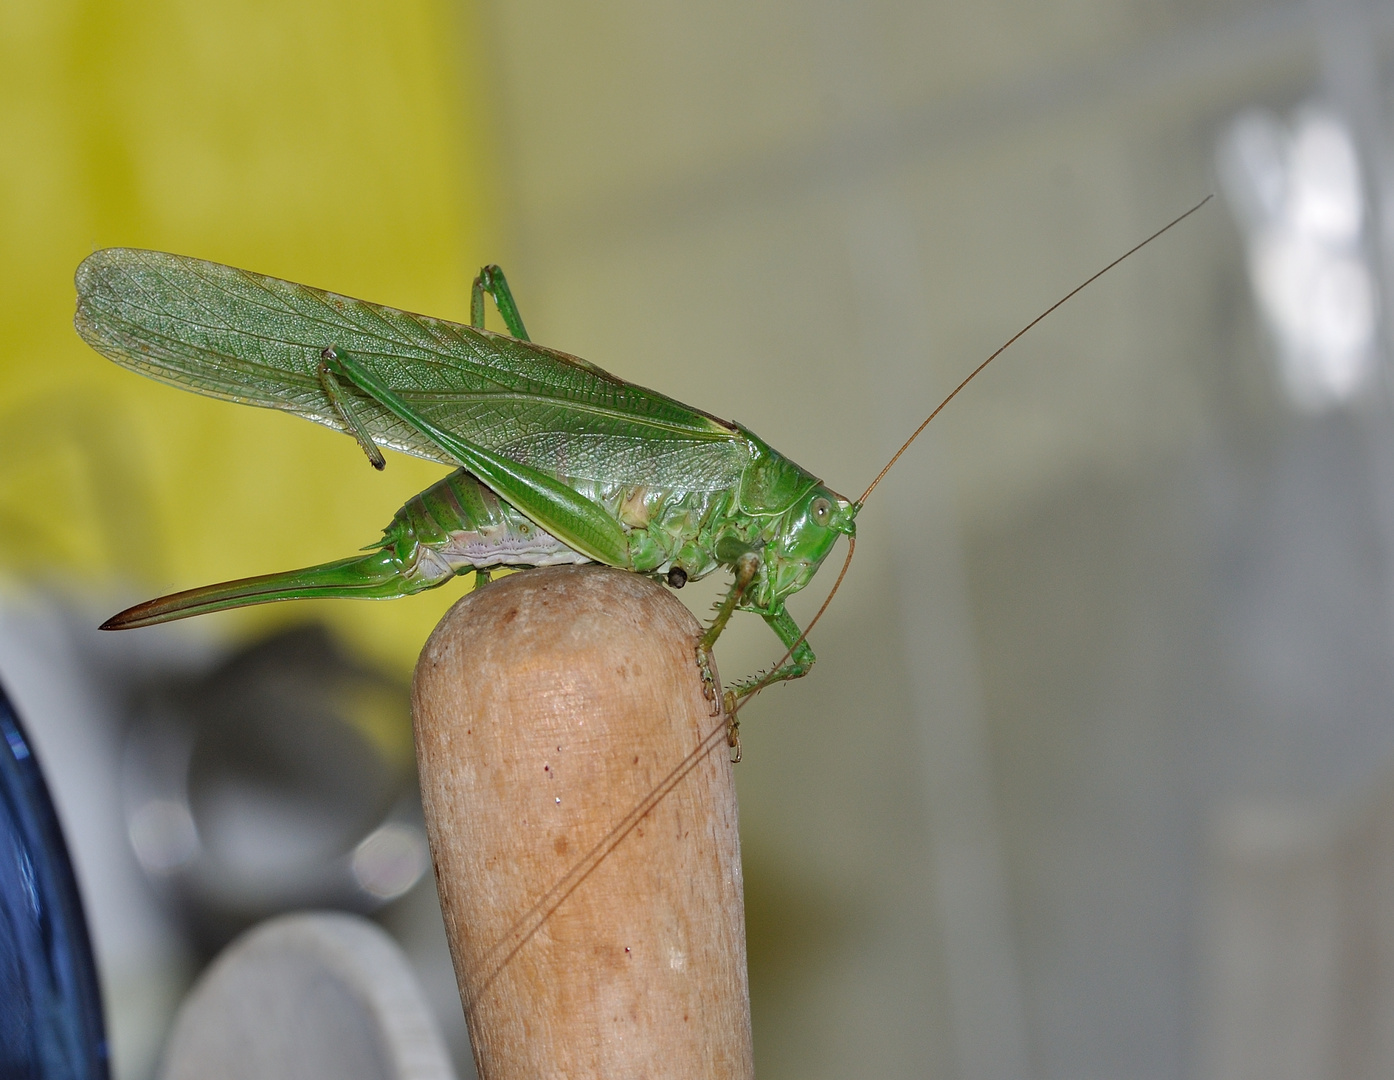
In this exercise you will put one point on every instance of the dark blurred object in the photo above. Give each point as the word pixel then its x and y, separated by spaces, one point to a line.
pixel 50 1007
pixel 283 779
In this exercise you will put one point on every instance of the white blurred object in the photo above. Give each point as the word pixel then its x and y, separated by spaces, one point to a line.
pixel 1299 951
pixel 308 996
pixel 1297 192
pixel 390 860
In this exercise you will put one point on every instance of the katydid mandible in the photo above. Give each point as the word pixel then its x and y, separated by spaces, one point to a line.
pixel 555 461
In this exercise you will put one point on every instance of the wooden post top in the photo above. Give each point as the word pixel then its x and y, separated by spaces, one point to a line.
pixel 582 818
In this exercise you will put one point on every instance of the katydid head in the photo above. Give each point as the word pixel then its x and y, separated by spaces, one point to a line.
pixel 807 533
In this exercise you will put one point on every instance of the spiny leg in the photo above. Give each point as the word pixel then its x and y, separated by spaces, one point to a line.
pixel 344 407
pixel 800 660
pixel 492 281
pixel 747 566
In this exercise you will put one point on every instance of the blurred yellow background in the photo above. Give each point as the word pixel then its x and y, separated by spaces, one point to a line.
pixel 340 145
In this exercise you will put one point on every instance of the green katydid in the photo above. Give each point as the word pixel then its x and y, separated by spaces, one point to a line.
pixel 556 461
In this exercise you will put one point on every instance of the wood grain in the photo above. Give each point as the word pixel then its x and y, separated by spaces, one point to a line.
pixel 582 818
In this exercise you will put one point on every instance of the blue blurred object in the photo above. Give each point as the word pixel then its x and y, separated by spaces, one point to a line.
pixel 50 1007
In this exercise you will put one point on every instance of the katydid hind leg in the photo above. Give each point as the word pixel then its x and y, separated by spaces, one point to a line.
pixel 492 281
pixel 344 407
pixel 578 522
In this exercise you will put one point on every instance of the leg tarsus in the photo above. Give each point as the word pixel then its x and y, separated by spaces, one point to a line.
pixel 710 690
pixel 492 281
pixel 719 699
pixel 733 726
pixel 481 578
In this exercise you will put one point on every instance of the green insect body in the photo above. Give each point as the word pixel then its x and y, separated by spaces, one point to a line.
pixel 557 461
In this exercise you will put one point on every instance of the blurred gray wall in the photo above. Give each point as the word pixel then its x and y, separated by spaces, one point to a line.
pixel 1116 591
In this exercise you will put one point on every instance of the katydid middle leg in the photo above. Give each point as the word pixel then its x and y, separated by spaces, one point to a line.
pixel 492 281
pixel 746 567
pixel 329 383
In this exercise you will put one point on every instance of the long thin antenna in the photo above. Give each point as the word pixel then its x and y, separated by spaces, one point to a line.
pixel 1010 341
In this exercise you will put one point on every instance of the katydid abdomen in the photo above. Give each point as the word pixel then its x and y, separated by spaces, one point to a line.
pixel 459 525
pixel 456 526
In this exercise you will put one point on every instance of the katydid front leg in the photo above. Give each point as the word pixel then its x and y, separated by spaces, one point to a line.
pixel 800 660
pixel 801 656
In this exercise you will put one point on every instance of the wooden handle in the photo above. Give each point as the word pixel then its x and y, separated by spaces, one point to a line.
pixel 582 818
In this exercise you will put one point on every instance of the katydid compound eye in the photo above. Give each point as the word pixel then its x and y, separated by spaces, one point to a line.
pixel 822 511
